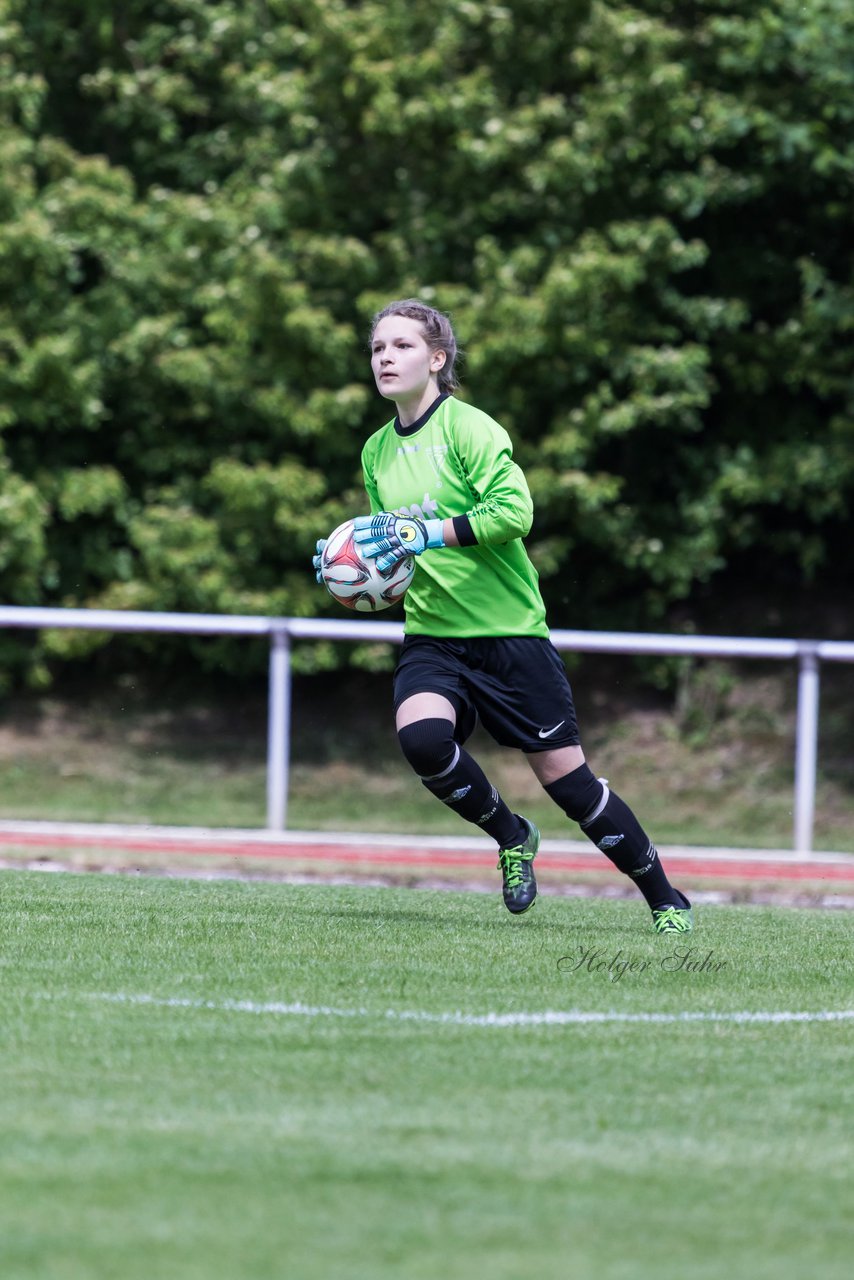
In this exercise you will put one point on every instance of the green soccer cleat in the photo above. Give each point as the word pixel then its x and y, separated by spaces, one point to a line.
pixel 674 919
pixel 516 866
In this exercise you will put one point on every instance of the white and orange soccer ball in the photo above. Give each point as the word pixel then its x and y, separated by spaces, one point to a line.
pixel 354 580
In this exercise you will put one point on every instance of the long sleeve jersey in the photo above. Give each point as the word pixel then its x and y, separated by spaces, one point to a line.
pixel 456 460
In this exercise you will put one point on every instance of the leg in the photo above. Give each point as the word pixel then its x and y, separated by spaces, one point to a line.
pixel 425 730
pixel 610 824
pixel 424 706
pixel 425 727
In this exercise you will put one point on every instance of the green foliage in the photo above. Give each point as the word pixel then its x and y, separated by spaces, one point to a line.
pixel 638 214
pixel 22 534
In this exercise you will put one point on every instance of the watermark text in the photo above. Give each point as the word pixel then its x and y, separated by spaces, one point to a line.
pixel 615 965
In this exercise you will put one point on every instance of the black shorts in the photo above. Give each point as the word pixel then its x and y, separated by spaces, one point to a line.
pixel 516 684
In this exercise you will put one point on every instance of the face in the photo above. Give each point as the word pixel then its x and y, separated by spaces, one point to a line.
pixel 404 367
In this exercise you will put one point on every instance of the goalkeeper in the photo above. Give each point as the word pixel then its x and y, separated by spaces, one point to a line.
pixel 443 486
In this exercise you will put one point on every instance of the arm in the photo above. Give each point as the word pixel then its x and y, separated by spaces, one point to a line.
pixel 503 509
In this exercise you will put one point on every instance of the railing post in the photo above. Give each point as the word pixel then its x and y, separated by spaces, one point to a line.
pixel 806 748
pixel 278 728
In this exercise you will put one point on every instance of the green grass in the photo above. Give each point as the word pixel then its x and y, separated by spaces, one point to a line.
pixel 214 1139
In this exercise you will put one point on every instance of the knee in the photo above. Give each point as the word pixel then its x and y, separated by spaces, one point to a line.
pixel 580 794
pixel 429 746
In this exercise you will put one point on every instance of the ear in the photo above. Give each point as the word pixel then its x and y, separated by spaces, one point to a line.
pixel 437 360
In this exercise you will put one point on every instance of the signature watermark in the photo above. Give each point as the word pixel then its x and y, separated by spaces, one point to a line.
pixel 615 965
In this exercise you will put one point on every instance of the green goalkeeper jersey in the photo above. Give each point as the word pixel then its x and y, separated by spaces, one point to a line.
pixel 455 461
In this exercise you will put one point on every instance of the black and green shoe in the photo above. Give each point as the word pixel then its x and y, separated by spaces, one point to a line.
pixel 516 867
pixel 673 919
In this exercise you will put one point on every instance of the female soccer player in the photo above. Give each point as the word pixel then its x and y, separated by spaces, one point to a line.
pixel 443 485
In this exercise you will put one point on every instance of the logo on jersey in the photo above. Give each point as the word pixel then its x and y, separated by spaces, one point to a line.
pixel 436 454
pixel 426 509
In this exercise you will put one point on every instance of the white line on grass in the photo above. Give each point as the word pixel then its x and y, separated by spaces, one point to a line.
pixel 545 1018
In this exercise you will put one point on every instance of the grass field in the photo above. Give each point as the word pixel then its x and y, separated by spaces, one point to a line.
pixel 214 1079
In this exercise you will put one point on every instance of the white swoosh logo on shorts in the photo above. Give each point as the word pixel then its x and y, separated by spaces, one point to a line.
pixel 547 733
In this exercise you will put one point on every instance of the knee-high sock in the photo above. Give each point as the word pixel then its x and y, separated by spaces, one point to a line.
pixel 612 826
pixel 455 778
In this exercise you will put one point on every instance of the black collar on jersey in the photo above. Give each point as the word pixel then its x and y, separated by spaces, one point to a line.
pixel 419 422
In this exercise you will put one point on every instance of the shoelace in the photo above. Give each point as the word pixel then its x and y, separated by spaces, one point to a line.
pixel 670 920
pixel 510 864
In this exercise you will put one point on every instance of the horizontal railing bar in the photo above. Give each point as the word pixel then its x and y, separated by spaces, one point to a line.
pixel 700 646
pixel 835 651
pixel 370 629
pixel 343 629
pixel 136 620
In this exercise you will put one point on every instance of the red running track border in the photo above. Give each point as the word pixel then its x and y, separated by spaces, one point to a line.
pixel 696 867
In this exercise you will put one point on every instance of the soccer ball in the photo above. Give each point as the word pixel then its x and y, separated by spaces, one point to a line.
pixel 355 581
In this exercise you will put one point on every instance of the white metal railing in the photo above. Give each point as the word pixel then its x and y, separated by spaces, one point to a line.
pixel 808 654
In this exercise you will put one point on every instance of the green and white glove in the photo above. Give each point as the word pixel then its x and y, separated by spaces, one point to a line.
pixel 390 538
pixel 315 559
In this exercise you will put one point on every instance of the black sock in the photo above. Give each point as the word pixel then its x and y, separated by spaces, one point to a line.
pixel 466 789
pixel 615 831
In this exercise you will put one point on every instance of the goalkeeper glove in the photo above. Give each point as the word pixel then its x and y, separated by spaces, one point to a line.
pixel 390 538
pixel 315 559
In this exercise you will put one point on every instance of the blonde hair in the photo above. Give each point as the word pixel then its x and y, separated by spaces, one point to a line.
pixel 438 334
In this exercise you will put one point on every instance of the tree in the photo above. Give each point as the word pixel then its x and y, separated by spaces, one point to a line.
pixel 638 216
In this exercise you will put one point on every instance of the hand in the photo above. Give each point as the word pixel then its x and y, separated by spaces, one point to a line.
pixel 315 559
pixel 390 538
